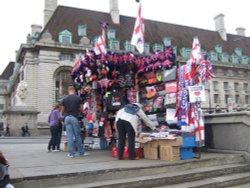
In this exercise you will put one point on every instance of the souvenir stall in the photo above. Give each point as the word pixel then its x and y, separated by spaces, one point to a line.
pixel 107 82
pixel 171 97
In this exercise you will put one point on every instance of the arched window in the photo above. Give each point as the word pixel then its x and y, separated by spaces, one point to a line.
pixel 62 81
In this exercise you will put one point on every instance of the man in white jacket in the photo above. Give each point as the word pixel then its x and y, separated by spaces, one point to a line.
pixel 126 121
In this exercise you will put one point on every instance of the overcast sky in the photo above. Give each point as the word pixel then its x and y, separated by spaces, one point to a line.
pixel 16 16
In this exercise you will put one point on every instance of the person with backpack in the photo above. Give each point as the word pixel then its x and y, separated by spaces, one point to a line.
pixel 53 122
pixel 126 122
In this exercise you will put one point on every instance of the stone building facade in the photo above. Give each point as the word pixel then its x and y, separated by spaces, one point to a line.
pixel 47 57
pixel 4 94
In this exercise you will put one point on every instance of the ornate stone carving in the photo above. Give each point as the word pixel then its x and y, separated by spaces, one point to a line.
pixel 46 37
pixel 29 39
pixel 21 93
pixel 84 41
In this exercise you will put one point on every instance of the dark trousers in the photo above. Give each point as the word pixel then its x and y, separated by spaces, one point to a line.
pixel 5 181
pixel 53 139
pixel 124 128
pixel 59 136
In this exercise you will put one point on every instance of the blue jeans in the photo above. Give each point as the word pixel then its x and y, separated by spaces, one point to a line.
pixel 73 130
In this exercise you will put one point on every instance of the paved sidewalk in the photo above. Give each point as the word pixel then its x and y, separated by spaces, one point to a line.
pixel 32 160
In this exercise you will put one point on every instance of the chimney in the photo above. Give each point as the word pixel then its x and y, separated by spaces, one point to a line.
pixel 50 7
pixel 35 29
pixel 114 11
pixel 220 26
pixel 241 31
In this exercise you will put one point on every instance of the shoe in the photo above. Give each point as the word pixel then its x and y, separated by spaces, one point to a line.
pixel 56 150
pixel 71 156
pixel 48 151
pixel 85 154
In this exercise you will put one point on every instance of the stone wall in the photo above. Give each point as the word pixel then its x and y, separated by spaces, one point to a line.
pixel 228 131
pixel 19 116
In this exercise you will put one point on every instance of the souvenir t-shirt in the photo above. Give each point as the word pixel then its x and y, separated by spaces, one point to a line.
pixel 115 101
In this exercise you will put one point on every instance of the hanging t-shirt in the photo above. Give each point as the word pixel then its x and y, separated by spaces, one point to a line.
pixel 115 101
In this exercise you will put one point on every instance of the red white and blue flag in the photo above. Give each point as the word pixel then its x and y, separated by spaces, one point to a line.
pixel 196 55
pixel 138 33
pixel 100 45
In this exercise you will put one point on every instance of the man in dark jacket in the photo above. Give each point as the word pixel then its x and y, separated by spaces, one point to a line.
pixel 72 107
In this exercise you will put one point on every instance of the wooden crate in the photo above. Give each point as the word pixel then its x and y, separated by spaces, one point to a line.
pixel 170 153
pixel 151 144
pixel 151 153
pixel 168 142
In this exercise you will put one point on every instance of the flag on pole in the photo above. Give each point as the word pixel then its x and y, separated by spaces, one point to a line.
pixel 100 45
pixel 138 33
pixel 77 64
pixel 196 51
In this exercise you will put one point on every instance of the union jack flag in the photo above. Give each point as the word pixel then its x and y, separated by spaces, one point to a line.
pixel 205 70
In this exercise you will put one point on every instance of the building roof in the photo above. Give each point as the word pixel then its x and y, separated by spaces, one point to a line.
pixel 181 36
pixel 8 71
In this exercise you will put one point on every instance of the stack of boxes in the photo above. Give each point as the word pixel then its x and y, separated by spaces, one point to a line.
pixel 170 149
pixel 151 149
pixel 165 149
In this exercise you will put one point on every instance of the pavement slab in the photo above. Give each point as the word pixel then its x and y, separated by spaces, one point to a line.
pixel 31 159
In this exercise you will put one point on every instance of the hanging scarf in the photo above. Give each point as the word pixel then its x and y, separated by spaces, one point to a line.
pixel 183 97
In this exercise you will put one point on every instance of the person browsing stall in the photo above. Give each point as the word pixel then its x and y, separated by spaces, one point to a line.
pixel 72 107
pixel 53 122
pixel 126 121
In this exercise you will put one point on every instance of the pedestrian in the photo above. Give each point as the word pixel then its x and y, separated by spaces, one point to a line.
pixel 59 130
pixel 4 173
pixel 26 129
pixel 7 133
pixel 72 107
pixel 53 122
pixel 23 131
pixel 126 122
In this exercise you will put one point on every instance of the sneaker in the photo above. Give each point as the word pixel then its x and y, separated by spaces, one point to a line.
pixel 48 151
pixel 85 154
pixel 56 150
pixel 71 156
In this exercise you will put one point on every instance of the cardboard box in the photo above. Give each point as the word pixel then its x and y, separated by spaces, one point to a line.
pixel 168 142
pixel 170 153
pixel 150 152
pixel 151 144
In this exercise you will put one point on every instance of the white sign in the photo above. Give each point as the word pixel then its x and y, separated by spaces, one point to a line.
pixel 170 117
pixel 197 94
